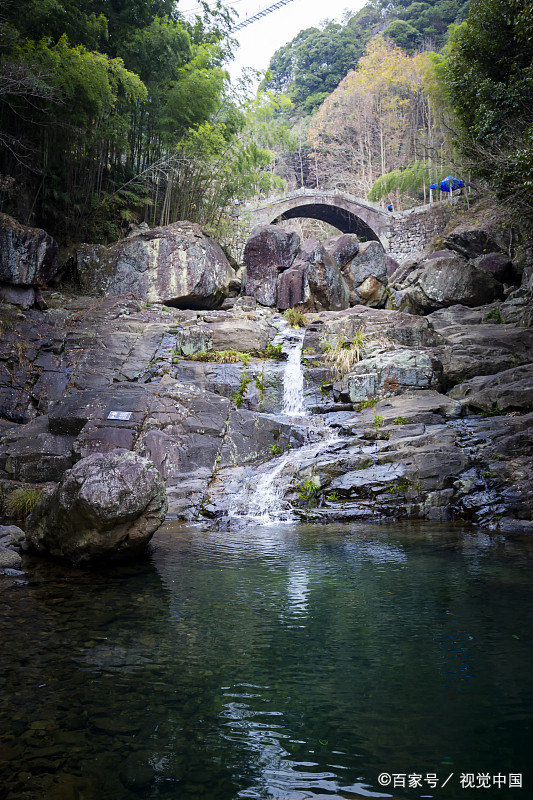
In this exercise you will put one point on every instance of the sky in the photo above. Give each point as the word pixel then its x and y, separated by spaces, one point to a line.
pixel 259 41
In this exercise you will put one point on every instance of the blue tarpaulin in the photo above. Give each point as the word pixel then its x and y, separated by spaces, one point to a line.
pixel 448 184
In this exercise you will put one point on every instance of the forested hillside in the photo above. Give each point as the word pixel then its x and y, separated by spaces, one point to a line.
pixel 114 112
pixel 312 65
pixel 416 104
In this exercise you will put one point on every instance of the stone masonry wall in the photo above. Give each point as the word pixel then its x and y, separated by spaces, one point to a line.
pixel 413 229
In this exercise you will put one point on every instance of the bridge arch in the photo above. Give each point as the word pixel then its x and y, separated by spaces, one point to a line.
pixel 345 212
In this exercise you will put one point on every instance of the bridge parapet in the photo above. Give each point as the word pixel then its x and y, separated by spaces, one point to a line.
pixel 401 233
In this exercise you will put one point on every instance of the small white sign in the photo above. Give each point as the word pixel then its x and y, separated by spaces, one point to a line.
pixel 119 415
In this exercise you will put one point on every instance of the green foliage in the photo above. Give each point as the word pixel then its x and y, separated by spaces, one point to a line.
pixel 333 497
pixel 238 396
pixel 222 356
pixel 401 486
pixel 378 421
pixel 402 34
pixel 274 351
pixel 313 64
pixel 411 181
pixel 399 421
pixel 21 502
pixel 310 66
pixel 295 318
pixel 370 403
pixel 259 381
pixel 494 315
pixel 123 114
pixel 488 74
pixel 307 490
pixel 276 449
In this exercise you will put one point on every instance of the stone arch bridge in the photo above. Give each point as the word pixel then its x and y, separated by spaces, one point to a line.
pixel 400 233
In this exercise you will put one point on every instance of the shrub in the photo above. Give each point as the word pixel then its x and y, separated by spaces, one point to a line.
pixel 274 350
pixel 495 316
pixel 308 490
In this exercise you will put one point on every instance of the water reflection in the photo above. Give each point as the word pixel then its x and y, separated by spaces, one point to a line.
pixel 287 663
pixel 298 591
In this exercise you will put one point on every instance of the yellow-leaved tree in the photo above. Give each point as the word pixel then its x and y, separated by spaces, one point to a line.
pixel 380 118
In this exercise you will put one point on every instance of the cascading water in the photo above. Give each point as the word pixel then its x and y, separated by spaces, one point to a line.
pixel 262 499
pixel 293 403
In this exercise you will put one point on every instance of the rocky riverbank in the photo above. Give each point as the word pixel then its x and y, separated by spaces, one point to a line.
pixel 426 414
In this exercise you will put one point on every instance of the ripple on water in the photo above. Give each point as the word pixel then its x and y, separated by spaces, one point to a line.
pixel 282 662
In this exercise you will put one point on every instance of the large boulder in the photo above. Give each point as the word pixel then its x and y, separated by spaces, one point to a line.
pixel 28 259
pixel 314 282
pixel 106 505
pixel 499 265
pixel 342 248
pixel 442 282
pixel 269 250
pixel 392 372
pixel 366 276
pixel 28 256
pixel 509 390
pixel 177 265
pixel 471 240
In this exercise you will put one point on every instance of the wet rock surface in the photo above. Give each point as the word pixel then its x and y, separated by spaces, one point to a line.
pixel 418 416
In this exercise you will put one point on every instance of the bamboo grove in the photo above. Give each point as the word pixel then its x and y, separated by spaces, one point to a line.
pixel 116 111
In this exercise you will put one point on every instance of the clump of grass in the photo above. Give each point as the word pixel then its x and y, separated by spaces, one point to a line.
pixel 223 356
pixel 21 502
pixel 259 381
pixel 399 421
pixel 276 449
pixel 295 318
pixel 370 403
pixel 344 355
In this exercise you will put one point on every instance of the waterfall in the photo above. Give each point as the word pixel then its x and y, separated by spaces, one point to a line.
pixel 293 378
pixel 262 497
pixel 266 503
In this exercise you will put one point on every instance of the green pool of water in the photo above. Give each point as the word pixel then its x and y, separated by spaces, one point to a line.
pixel 290 662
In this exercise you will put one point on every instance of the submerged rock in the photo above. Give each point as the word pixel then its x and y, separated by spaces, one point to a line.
pixel 106 505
